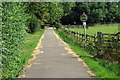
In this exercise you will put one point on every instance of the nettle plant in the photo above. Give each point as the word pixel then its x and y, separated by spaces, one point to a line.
pixel 13 31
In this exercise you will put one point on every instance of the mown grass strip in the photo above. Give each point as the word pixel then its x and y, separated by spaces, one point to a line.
pixel 101 68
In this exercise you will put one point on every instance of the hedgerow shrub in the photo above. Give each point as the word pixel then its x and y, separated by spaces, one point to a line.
pixel 0 38
pixel 13 30
pixel 33 24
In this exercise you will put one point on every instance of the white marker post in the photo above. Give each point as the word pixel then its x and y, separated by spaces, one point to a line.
pixel 83 18
pixel 84 24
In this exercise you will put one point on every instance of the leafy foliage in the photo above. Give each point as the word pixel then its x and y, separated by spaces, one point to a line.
pixel 13 31
pixel 56 12
pixel 40 10
pixel 51 12
pixel 33 24
pixel 98 12
pixel 67 7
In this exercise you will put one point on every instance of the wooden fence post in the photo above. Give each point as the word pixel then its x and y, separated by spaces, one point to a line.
pixel 77 35
pixel 94 38
pixel 99 36
pixel 118 36
pixel 99 41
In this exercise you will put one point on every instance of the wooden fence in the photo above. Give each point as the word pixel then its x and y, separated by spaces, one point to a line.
pixel 105 45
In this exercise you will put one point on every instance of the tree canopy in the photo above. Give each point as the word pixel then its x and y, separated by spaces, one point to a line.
pixel 98 12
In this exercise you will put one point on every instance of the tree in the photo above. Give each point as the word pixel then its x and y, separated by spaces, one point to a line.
pixel 112 14
pixel 98 12
pixel 55 12
pixel 67 7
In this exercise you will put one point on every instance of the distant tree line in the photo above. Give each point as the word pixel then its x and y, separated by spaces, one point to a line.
pixel 69 12
pixel 98 12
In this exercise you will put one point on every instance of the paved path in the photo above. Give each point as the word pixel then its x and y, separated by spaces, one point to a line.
pixel 55 61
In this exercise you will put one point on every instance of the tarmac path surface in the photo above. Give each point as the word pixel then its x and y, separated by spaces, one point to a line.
pixel 54 61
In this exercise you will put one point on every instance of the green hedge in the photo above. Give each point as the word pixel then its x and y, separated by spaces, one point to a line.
pixel 16 21
pixel 13 30
pixel 33 24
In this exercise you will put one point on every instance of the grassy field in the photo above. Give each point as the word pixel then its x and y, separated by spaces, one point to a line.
pixel 111 29
pixel 102 68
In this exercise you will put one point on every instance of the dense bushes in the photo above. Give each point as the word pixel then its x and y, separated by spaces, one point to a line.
pixel 33 24
pixel 16 21
pixel 13 30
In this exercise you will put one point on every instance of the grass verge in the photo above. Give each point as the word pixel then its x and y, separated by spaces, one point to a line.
pixel 102 68
pixel 31 41
pixel 18 61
